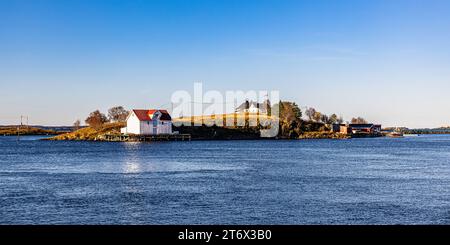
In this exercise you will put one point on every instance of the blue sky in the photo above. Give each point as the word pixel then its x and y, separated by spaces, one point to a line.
pixel 385 60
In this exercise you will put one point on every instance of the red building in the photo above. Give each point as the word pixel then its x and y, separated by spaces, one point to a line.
pixel 366 129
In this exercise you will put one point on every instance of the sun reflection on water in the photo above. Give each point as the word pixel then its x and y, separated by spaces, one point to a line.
pixel 131 163
pixel 132 168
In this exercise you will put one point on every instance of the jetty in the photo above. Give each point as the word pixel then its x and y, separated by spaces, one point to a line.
pixel 145 138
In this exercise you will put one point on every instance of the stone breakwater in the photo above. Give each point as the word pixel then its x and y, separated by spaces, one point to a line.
pixel 323 135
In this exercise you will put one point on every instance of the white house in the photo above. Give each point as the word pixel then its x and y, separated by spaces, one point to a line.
pixel 148 122
pixel 254 107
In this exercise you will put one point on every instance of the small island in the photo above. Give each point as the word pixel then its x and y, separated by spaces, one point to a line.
pixel 23 130
pixel 291 125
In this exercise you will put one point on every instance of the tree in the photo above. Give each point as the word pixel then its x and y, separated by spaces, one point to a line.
pixel 96 119
pixel 290 119
pixel 247 105
pixel 76 124
pixel 267 106
pixel 297 111
pixel 333 119
pixel 359 120
pixel 117 114
pixel 310 113
pixel 317 116
pixel 290 111
pixel 340 120
pixel 324 118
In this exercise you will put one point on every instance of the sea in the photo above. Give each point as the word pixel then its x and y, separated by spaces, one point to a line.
pixel 355 181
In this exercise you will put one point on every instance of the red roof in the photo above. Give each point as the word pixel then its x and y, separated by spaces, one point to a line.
pixel 144 115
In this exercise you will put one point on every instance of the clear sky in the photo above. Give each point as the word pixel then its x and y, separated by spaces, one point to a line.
pixel 385 60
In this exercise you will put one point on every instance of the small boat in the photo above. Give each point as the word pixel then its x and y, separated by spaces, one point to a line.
pixel 395 134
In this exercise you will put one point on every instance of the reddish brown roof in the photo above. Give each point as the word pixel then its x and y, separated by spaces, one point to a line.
pixel 144 115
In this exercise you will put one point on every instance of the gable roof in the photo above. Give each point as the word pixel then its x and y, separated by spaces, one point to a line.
pixel 145 115
pixel 250 104
pixel 164 115
pixel 261 106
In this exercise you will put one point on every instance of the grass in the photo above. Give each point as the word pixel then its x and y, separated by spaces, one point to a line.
pixel 12 130
pixel 90 133
pixel 232 117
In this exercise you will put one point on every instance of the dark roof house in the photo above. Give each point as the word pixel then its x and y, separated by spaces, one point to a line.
pixel 254 107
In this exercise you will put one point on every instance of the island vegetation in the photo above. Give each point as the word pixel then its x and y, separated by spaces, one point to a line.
pixel 91 132
pixel 98 125
pixel 292 125
pixel 25 130
pixel 441 130
pixel 316 126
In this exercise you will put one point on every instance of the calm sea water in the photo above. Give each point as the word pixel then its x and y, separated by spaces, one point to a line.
pixel 358 181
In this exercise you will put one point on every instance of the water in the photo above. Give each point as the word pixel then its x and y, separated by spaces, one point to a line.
pixel 358 181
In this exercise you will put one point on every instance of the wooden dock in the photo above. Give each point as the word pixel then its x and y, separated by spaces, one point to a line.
pixel 145 138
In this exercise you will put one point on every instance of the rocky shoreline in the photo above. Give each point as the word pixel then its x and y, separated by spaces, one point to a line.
pixel 197 133
pixel 323 135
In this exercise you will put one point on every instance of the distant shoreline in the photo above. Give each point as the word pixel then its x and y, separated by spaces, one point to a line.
pixel 200 133
pixel 26 131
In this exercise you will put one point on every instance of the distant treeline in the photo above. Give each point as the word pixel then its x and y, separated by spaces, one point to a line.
pixel 24 130
pixel 428 131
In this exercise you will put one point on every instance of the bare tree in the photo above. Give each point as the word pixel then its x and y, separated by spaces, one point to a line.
pixel 324 118
pixel 117 114
pixel 96 119
pixel 310 113
pixel 359 120
pixel 333 119
pixel 76 124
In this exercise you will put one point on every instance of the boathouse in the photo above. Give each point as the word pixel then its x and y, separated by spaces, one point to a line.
pixel 148 122
pixel 366 129
pixel 341 128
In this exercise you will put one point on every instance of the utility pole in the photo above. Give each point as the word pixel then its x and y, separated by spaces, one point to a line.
pixel 18 128
pixel 23 119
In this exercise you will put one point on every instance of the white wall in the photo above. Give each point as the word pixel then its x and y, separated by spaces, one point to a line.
pixel 164 127
pixel 253 109
pixel 146 127
pixel 133 125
